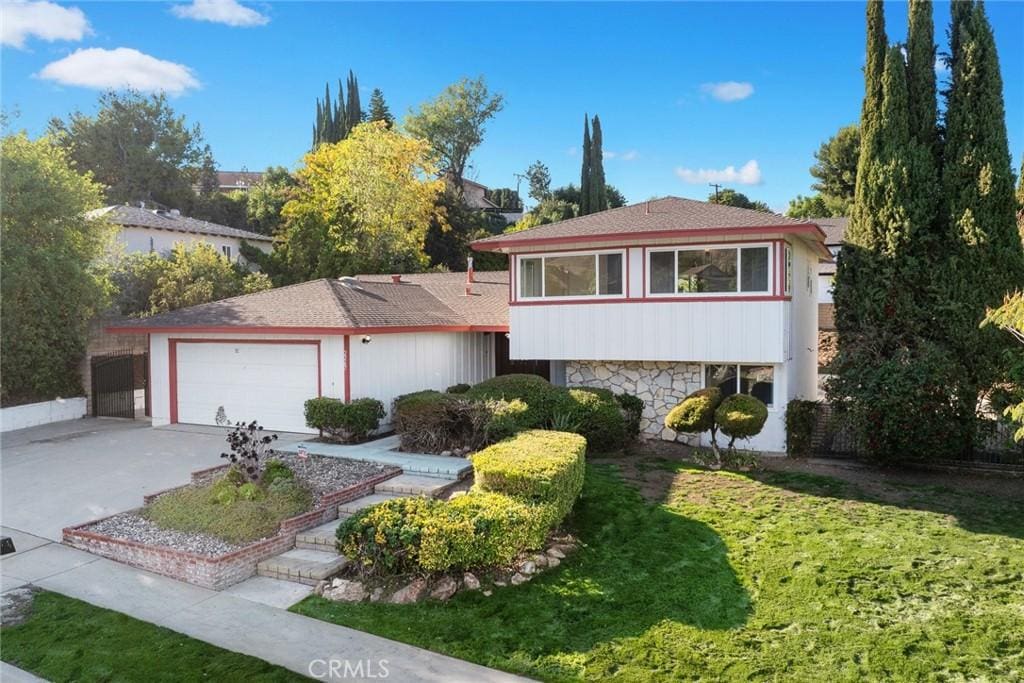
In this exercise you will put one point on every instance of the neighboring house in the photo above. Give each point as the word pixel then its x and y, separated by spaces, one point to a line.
pixel 475 195
pixel 261 356
pixel 229 181
pixel 158 230
pixel 661 298
pixel 835 233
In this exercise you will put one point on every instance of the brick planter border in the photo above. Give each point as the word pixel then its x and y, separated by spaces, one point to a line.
pixel 219 571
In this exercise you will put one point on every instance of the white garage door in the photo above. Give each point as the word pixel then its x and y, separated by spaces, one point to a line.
pixel 268 383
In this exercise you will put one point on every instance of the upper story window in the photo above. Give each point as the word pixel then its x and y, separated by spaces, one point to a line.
pixel 571 275
pixel 709 270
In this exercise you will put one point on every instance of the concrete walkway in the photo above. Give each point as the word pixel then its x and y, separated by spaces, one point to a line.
pixel 60 475
pixel 384 451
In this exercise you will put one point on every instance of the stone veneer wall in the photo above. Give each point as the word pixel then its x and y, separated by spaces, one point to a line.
pixel 660 384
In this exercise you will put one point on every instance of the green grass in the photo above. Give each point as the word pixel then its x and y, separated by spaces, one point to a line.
pixel 65 639
pixel 734 577
pixel 195 509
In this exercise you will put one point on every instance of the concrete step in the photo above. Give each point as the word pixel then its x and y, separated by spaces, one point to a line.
pixel 320 538
pixel 353 506
pixel 302 566
pixel 415 485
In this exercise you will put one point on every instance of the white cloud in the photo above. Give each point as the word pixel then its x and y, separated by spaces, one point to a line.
pixel 44 20
pixel 120 68
pixel 220 12
pixel 747 174
pixel 941 68
pixel 728 91
pixel 628 155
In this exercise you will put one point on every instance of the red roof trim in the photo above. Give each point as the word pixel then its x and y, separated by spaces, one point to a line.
pixel 635 238
pixel 239 329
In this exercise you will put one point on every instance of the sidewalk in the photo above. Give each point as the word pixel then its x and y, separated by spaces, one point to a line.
pixel 226 620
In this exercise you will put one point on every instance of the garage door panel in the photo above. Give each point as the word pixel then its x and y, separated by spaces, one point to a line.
pixel 264 382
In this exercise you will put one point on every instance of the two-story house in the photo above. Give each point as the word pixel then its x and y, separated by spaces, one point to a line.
pixel 661 298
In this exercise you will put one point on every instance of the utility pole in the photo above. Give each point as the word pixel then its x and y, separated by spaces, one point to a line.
pixel 519 179
pixel 716 186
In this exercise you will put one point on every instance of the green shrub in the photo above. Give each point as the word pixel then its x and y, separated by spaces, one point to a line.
pixel 594 414
pixel 421 534
pixel 275 470
pixel 633 409
pixel 696 412
pixel 432 422
pixel 250 491
pixel 801 417
pixel 457 389
pixel 344 422
pixel 539 467
pixel 741 416
pixel 536 392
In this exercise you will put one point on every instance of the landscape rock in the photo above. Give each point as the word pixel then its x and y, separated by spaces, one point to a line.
pixel 488 593
pixel 553 562
pixel 519 579
pixel 376 595
pixel 343 590
pixel 446 454
pixel 411 593
pixel 444 589
pixel 540 560
pixel 528 567
pixel 554 552
pixel 470 581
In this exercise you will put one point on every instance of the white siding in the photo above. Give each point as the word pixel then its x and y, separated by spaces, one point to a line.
pixel 802 368
pixel 395 364
pixel 136 239
pixel 708 331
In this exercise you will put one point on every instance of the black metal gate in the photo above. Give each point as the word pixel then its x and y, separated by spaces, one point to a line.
pixel 113 385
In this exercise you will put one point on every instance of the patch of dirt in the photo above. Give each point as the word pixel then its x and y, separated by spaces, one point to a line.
pixel 16 605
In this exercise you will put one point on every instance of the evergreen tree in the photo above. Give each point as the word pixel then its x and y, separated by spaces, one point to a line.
pixel 334 120
pixel 353 112
pixel 921 73
pixel 598 192
pixel 979 205
pixel 877 45
pixel 379 108
pixel 585 175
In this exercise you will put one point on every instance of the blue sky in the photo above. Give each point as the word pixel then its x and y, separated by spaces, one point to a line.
pixel 647 69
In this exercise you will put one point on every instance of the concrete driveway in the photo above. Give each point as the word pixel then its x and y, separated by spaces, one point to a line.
pixel 67 473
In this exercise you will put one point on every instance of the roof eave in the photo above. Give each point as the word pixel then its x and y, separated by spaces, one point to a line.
pixel 277 329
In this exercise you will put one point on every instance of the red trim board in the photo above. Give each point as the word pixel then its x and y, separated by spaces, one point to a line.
pixel 655 300
pixel 241 329
pixel 348 366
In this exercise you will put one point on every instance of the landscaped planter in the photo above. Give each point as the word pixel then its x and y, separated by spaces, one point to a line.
pixel 215 571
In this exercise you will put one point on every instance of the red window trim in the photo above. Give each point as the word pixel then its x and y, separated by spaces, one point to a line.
pixel 655 300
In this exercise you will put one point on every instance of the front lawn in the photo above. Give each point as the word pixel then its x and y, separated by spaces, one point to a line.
pixel 737 577
pixel 64 639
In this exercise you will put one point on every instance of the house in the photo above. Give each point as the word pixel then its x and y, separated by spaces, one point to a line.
pixel 475 196
pixel 229 181
pixel 260 356
pixel 835 233
pixel 661 298
pixel 158 230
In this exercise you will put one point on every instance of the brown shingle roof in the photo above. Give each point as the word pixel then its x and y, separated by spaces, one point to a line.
pixel 652 218
pixel 426 300
pixel 145 218
pixel 835 229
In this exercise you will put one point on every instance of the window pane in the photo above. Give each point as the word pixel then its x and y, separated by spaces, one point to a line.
pixel 569 275
pixel 663 276
pixel 754 277
pixel 721 376
pixel 610 267
pixel 758 381
pixel 709 270
pixel 529 277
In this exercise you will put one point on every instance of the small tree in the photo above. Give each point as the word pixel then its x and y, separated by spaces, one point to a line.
pixel 248 446
pixel 695 414
pixel 739 416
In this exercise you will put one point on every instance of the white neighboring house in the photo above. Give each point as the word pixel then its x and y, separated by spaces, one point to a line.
pixel 157 230
pixel 661 298
pixel 475 195
pixel 261 356
pixel 835 233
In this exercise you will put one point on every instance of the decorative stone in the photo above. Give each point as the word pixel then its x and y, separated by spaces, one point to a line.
pixel 411 593
pixel 553 562
pixel 342 590
pixel 556 553
pixel 488 593
pixel 528 567
pixel 500 583
pixel 376 595
pixel 446 454
pixel 470 582
pixel 519 579
pixel 444 589
pixel 540 560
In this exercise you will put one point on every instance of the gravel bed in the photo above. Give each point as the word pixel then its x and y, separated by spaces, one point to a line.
pixel 321 474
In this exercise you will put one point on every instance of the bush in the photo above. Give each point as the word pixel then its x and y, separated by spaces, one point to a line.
pixel 633 409
pixel 344 422
pixel 536 392
pixel 593 414
pixel 457 389
pixel 801 416
pixel 276 470
pixel 432 422
pixel 741 416
pixel 696 412
pixel 539 467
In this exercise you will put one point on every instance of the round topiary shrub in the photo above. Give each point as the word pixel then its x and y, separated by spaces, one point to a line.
pixel 696 412
pixel 741 416
pixel 537 393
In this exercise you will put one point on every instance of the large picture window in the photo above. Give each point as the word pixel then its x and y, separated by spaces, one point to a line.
pixel 756 380
pixel 572 275
pixel 717 270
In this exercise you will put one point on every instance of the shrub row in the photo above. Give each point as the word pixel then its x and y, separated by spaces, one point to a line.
pixel 432 422
pixel 524 486
pixel 344 422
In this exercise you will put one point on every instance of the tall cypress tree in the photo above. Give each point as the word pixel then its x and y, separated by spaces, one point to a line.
pixel 353 113
pixel 585 171
pixel 921 73
pixel 979 204
pixel 598 190
pixel 874 64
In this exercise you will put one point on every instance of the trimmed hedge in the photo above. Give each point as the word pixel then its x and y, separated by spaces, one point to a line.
pixel 539 467
pixel 632 409
pixel 696 412
pixel 537 393
pixel 344 422
pixel 432 422
pixel 591 413
pixel 801 417
pixel 741 416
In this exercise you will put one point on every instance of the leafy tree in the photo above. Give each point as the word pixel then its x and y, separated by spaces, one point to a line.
pixel 267 198
pixel 615 198
pixel 49 287
pixel 453 123
pixel 454 226
pixel 134 277
pixel 586 176
pixel 137 147
pixel 835 169
pixel 201 274
pixel 539 178
pixel 362 205
pixel 807 207
pixel 598 192
pixel 1010 318
pixel 505 197
pixel 562 203
pixel 230 208
pixel 730 197
pixel 379 108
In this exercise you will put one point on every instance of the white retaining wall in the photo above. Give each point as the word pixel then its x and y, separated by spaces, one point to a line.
pixel 32 414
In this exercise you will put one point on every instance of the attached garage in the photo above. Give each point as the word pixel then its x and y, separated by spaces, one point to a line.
pixel 250 380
